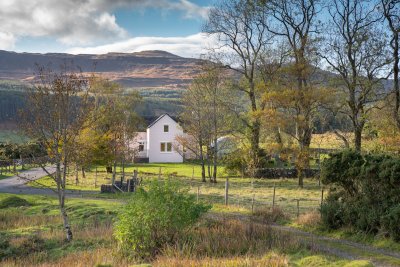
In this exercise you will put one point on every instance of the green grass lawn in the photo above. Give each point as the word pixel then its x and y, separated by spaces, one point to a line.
pixel 4 173
pixel 241 190
pixel 10 136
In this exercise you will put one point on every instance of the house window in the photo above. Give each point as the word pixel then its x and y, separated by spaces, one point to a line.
pixel 141 146
pixel 166 128
pixel 166 147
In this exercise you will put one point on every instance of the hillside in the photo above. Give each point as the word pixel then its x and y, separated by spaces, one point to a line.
pixel 147 69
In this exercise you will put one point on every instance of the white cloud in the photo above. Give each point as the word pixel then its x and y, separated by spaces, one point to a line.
pixel 7 41
pixel 78 22
pixel 189 46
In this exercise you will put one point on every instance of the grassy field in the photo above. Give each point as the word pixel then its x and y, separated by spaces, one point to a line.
pixel 4 173
pixel 241 193
pixel 31 234
pixel 12 136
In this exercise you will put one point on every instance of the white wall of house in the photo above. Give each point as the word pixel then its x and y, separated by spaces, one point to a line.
pixel 161 144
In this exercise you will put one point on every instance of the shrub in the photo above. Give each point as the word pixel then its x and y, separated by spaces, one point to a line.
pixel 391 222
pixel 30 245
pixel 6 250
pixel 364 192
pixel 332 213
pixel 13 201
pixel 154 218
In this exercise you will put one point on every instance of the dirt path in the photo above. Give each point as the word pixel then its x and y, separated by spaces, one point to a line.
pixel 338 247
pixel 18 184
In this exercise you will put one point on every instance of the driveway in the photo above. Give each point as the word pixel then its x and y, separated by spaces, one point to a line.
pixel 18 184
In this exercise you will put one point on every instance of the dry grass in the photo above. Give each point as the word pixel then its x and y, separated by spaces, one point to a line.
pixel 92 245
pixel 233 238
pixel 11 219
pixel 271 260
pixel 270 215
pixel 310 219
pixel 96 257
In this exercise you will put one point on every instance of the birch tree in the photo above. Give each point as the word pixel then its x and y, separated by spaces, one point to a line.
pixel 240 27
pixel 56 111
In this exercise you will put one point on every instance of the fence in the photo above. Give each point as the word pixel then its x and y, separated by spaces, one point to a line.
pixel 249 195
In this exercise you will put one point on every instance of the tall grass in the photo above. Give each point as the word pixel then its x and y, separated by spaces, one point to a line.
pixel 228 239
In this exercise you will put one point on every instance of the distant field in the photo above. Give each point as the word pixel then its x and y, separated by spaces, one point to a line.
pixel 12 136
pixel 241 190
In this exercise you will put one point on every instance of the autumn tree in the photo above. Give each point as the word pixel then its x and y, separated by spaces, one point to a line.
pixel 116 121
pixel 240 27
pixel 297 91
pixel 206 116
pixel 355 50
pixel 56 112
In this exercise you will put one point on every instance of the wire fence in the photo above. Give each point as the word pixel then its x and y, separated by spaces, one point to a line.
pixel 253 194
pixel 240 194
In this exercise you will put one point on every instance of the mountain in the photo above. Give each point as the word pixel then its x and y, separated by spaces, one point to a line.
pixel 147 69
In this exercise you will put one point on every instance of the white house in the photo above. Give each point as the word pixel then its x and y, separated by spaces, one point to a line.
pixel 158 143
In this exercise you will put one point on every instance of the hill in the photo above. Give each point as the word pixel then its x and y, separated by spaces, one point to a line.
pixel 147 69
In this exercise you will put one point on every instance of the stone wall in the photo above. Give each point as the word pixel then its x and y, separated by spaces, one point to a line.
pixel 285 173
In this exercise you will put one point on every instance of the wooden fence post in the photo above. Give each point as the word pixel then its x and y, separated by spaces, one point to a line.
pixel 322 195
pixel 198 193
pixel 159 174
pixel 273 198
pixel 252 205
pixel 298 208
pixel 95 178
pixel 76 174
pixel 226 191
pixel 135 180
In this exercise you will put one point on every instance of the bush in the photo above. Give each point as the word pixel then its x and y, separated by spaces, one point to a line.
pixel 6 250
pixel 32 244
pixel 391 221
pixel 332 213
pixel 13 201
pixel 364 192
pixel 154 218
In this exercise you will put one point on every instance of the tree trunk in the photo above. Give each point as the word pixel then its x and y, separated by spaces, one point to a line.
pixel 114 172
pixel 83 173
pixel 203 171
pixel 396 85
pixel 76 174
pixel 66 225
pixel 255 145
pixel 61 200
pixel 304 157
pixel 357 138
pixel 215 160
pixel 208 164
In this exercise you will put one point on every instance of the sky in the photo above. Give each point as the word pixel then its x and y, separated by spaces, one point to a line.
pixel 103 26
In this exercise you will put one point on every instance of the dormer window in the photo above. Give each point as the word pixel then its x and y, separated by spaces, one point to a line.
pixel 166 128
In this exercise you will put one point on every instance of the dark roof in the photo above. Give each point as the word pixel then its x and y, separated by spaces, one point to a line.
pixel 159 118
